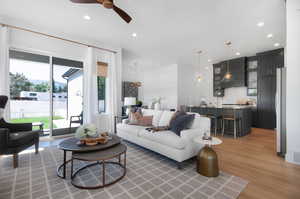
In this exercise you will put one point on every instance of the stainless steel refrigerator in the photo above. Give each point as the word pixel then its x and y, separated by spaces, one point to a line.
pixel 281 112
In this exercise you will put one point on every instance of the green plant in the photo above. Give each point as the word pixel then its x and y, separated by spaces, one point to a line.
pixel 86 131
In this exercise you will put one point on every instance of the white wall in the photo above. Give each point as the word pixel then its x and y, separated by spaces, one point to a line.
pixel 160 81
pixel 189 89
pixel 293 81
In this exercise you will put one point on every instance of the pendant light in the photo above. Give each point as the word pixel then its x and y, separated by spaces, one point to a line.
pixel 199 77
pixel 227 75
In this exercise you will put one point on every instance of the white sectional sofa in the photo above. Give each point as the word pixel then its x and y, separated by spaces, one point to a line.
pixel 167 143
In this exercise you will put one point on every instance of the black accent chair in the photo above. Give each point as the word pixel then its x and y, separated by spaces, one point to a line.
pixel 15 138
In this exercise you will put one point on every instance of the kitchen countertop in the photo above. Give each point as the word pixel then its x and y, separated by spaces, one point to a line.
pixel 227 107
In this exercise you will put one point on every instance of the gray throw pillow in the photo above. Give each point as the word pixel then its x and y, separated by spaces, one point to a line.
pixel 181 122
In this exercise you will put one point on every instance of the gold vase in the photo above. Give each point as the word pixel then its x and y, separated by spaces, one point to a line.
pixel 207 162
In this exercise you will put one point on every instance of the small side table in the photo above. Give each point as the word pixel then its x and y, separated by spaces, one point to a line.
pixel 207 159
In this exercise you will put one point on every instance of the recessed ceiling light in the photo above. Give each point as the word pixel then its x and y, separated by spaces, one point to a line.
pixel 134 34
pixel 260 24
pixel 87 17
pixel 277 44
pixel 237 53
pixel 270 35
pixel 209 60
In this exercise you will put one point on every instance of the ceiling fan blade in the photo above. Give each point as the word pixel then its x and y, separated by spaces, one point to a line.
pixel 85 1
pixel 122 14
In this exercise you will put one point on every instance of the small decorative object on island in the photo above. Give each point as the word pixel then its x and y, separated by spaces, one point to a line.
pixel 203 103
pixel 88 135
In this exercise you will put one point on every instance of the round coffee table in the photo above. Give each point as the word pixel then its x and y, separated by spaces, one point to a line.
pixel 207 159
pixel 70 145
pixel 101 157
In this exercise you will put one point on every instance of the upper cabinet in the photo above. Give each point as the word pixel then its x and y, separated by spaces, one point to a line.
pixel 218 77
pixel 237 70
pixel 252 65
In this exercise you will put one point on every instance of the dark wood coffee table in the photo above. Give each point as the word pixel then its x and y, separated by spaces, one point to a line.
pixel 70 145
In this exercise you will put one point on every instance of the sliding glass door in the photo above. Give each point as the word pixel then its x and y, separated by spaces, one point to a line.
pixel 30 89
pixel 67 95
pixel 46 91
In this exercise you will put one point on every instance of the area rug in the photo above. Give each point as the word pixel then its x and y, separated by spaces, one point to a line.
pixel 149 176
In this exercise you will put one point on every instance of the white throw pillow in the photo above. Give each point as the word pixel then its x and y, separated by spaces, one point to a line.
pixel 156 117
pixel 165 118
pixel 155 113
pixel 1 113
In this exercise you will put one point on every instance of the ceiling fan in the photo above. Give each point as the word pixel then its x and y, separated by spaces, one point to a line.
pixel 109 4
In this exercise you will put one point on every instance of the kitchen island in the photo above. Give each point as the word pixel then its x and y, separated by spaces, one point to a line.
pixel 243 112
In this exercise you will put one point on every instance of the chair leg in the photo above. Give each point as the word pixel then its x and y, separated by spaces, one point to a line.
pixel 223 127
pixel 216 126
pixel 15 160
pixel 235 128
pixel 36 147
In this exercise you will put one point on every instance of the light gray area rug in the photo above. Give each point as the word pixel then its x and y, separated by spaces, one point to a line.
pixel 149 176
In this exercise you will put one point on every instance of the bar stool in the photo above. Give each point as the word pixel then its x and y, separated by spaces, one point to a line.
pixel 237 123
pixel 215 119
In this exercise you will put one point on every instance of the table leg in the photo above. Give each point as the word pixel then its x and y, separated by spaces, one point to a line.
pixel 65 160
pixel 71 167
pixel 103 172
pixel 125 160
pixel 119 159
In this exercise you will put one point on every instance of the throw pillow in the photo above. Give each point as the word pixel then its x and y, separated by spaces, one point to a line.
pixel 181 122
pixel 145 121
pixel 175 115
pixel 134 117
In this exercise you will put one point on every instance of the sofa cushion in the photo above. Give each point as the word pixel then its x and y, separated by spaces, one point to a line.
pixel 181 122
pixel 165 118
pixel 156 115
pixel 167 138
pixel 133 129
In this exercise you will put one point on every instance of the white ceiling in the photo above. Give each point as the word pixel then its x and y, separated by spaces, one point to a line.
pixel 168 31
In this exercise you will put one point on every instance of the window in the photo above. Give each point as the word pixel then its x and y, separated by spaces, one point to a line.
pixel 101 81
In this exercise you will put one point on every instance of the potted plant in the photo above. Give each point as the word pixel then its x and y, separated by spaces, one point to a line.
pixel 87 134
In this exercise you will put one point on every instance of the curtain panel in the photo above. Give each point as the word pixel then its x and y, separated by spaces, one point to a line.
pixel 4 66
pixel 91 71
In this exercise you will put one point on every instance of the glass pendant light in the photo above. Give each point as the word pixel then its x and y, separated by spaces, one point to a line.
pixel 199 77
pixel 228 75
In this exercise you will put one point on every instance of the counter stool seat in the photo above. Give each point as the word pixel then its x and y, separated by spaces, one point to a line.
pixel 237 121
pixel 215 118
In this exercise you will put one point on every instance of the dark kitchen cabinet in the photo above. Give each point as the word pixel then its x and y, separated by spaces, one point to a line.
pixel 252 65
pixel 237 68
pixel 268 62
pixel 217 81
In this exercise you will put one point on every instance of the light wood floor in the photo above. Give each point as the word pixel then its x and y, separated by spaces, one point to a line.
pixel 254 158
